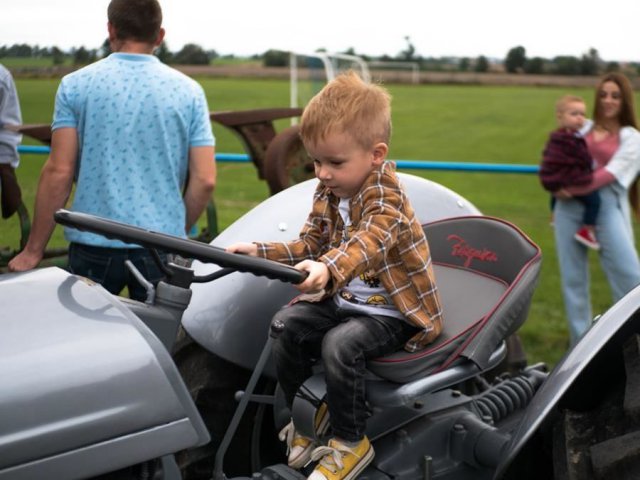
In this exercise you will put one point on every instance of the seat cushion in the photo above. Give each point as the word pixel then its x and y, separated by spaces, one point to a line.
pixel 467 298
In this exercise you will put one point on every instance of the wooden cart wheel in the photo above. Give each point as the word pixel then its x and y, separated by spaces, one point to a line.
pixel 286 161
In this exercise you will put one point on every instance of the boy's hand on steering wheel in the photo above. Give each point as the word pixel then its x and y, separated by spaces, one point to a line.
pixel 318 276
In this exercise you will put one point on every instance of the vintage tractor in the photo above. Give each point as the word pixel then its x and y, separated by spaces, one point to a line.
pixel 182 386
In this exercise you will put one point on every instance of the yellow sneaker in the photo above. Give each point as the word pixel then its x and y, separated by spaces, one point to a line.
pixel 299 447
pixel 321 422
pixel 339 462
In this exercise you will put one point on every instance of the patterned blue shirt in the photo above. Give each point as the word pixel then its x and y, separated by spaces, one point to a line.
pixel 136 119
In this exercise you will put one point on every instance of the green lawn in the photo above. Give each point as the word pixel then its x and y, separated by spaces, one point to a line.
pixel 28 62
pixel 452 123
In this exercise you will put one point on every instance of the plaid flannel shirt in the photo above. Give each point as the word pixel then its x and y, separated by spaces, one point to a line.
pixel 388 238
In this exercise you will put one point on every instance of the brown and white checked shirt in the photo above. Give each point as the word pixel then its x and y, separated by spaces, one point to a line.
pixel 387 238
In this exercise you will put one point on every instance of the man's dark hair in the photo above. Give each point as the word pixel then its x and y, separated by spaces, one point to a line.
pixel 138 20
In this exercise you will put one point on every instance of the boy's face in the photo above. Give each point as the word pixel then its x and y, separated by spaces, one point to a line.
pixel 572 116
pixel 342 165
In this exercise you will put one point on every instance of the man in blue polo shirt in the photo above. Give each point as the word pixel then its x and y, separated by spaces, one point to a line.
pixel 131 132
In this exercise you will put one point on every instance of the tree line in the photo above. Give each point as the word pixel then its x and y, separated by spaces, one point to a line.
pixel 190 54
pixel 589 63
pixel 515 61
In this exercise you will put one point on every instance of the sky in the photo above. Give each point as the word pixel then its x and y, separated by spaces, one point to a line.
pixel 436 28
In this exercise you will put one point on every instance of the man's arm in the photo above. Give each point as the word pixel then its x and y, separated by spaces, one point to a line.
pixel 202 180
pixel 53 192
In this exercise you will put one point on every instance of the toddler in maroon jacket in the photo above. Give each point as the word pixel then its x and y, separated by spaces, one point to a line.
pixel 566 161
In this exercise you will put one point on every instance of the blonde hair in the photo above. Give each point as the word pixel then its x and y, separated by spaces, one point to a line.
pixel 348 105
pixel 565 100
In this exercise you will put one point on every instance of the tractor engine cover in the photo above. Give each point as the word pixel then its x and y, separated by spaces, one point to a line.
pixel 86 387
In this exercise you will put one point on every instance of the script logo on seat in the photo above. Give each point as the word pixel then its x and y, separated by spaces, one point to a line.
pixel 462 249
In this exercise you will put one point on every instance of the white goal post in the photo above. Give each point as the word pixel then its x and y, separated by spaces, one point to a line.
pixel 414 67
pixel 330 64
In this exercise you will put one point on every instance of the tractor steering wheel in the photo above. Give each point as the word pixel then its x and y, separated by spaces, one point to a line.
pixel 181 246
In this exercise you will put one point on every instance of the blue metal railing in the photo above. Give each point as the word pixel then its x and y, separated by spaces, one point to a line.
pixel 401 164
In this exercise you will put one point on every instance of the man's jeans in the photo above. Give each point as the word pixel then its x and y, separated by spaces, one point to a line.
pixel 106 267
pixel 344 340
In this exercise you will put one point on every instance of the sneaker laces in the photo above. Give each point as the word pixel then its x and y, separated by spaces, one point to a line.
pixel 331 457
pixel 287 434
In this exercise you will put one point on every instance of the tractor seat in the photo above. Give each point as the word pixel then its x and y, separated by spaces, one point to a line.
pixel 486 270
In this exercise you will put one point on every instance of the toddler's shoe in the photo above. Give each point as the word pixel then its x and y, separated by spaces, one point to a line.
pixel 299 447
pixel 586 237
pixel 339 462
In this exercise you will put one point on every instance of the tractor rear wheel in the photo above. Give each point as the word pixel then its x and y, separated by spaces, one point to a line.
pixel 286 161
pixel 603 442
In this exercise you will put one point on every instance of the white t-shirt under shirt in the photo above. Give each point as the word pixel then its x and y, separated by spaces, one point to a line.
pixel 364 293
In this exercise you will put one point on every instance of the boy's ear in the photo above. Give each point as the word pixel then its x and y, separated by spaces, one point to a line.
pixel 380 151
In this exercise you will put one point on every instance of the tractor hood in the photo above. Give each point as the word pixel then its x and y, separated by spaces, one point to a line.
pixel 85 387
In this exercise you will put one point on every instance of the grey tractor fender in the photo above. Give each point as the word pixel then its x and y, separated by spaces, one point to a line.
pixel 591 354
pixel 230 317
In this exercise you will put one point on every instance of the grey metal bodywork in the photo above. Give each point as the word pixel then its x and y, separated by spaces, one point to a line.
pixel 86 387
pixel 233 323
pixel 604 338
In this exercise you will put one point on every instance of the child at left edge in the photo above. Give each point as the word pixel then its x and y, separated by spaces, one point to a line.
pixel 368 262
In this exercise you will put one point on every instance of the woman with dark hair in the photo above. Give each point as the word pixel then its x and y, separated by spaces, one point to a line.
pixel 614 143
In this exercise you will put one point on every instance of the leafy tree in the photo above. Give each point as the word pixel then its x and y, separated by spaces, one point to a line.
pixel 275 58
pixel 516 58
pixel 82 56
pixel 612 67
pixel 464 64
pixel 191 54
pixel 534 65
pixel 482 64
pixel 590 62
pixel 105 49
pixel 163 53
pixel 57 55
pixel 212 55
pixel 565 65
pixel 410 51
pixel 19 50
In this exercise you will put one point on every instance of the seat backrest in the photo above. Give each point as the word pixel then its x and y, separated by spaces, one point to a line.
pixel 486 270
pixel 484 245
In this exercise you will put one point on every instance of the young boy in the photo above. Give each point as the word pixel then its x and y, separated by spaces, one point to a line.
pixel 366 252
pixel 567 161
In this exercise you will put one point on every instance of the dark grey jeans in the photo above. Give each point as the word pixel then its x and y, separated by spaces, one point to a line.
pixel 344 340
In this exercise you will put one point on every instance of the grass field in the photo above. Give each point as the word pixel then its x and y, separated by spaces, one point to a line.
pixel 452 123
